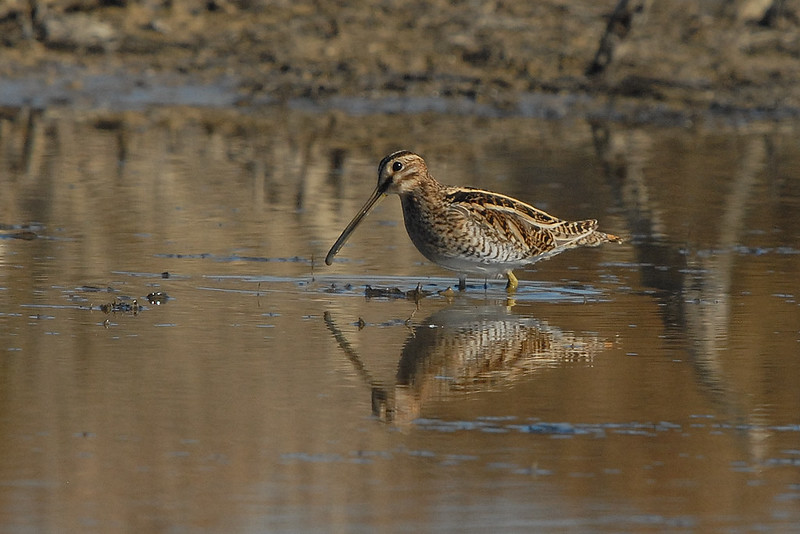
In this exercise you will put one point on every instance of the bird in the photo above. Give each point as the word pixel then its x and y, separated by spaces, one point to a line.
pixel 469 230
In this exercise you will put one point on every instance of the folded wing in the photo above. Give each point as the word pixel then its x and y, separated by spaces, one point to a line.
pixel 525 232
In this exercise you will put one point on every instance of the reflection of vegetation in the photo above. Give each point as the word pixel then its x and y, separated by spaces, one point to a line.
pixel 693 277
pixel 463 350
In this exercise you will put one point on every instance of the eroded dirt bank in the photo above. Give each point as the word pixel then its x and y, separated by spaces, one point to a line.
pixel 685 56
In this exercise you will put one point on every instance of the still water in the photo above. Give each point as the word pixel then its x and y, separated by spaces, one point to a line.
pixel 647 386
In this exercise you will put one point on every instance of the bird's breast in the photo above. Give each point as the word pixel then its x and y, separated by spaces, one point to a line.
pixel 451 238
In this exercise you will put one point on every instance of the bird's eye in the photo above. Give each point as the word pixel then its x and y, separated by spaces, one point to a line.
pixel 396 166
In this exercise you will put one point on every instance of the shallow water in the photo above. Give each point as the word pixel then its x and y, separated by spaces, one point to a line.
pixel 644 386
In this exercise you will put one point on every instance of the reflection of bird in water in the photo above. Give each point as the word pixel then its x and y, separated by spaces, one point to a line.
pixel 470 230
pixel 460 350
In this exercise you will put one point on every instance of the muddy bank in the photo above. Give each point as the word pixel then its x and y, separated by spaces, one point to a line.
pixel 676 58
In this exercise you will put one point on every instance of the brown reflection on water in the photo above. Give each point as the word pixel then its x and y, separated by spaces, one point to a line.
pixel 668 398
pixel 695 262
pixel 461 350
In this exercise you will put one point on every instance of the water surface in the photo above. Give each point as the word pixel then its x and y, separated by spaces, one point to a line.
pixel 644 386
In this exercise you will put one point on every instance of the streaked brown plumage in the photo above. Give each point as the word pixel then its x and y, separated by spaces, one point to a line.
pixel 468 230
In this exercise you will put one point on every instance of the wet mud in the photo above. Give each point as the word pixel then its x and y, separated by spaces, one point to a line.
pixel 647 61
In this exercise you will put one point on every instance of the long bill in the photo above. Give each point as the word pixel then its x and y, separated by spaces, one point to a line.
pixel 373 201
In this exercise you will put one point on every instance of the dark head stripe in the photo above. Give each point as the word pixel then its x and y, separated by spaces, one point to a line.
pixel 385 161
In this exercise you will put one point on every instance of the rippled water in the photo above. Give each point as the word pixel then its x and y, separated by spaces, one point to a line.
pixel 176 357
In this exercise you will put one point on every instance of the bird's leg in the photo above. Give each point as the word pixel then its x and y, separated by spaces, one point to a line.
pixel 462 282
pixel 512 284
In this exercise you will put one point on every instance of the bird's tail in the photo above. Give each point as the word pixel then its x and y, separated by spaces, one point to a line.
pixel 598 238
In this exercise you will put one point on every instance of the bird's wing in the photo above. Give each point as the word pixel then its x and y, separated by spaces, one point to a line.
pixel 527 226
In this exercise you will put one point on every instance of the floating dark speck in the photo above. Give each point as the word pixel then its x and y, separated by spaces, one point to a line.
pixel 25 236
pixel 158 298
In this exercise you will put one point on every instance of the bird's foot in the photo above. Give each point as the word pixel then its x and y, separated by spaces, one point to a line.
pixel 512 284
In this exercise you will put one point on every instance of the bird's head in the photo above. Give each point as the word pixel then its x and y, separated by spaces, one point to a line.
pixel 401 172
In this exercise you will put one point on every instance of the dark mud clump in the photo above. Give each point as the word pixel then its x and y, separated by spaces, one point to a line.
pixel 121 305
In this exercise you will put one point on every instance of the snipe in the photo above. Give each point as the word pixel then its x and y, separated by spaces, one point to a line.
pixel 468 230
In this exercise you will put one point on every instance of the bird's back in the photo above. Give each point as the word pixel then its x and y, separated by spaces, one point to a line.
pixel 514 232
